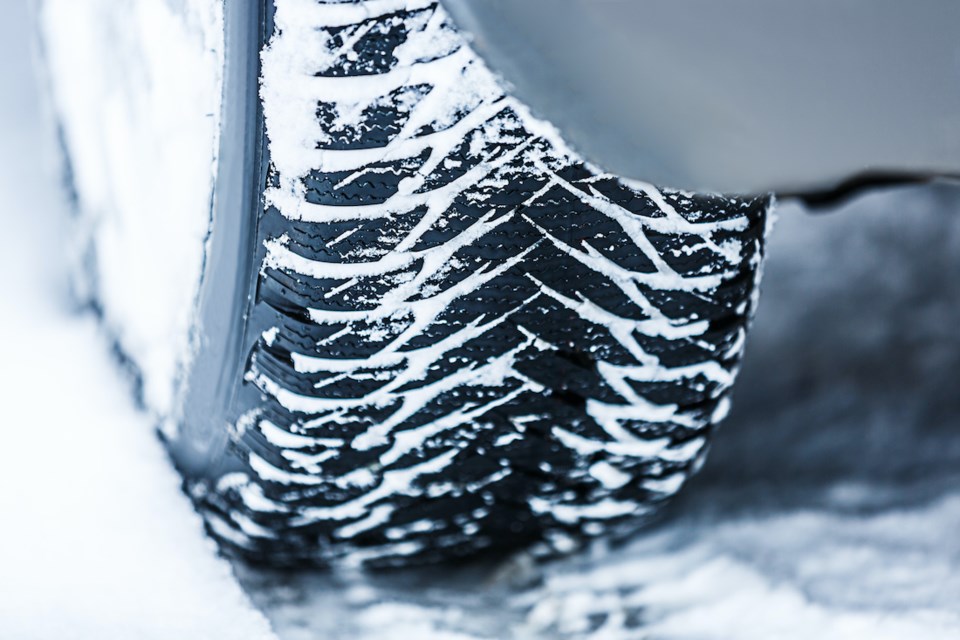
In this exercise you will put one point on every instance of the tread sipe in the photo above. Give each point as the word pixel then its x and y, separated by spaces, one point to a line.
pixel 462 336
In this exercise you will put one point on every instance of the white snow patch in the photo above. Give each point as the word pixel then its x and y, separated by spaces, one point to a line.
pixel 609 475
pixel 137 88
pixel 97 542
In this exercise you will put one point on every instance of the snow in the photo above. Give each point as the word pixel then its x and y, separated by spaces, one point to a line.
pixel 96 540
pixel 783 576
pixel 829 506
pixel 147 120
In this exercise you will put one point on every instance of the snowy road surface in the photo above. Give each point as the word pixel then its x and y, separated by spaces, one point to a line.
pixel 96 540
pixel 829 508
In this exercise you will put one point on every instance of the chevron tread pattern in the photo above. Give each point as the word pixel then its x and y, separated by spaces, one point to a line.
pixel 469 338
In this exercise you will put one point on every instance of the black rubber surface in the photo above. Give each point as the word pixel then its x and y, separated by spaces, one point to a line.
pixel 539 362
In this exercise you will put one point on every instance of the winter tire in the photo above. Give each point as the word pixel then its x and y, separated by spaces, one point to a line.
pixel 427 328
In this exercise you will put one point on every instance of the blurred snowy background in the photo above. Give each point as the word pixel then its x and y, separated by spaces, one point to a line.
pixel 829 507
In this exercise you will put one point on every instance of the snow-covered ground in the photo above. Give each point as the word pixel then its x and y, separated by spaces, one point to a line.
pixel 96 540
pixel 829 508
